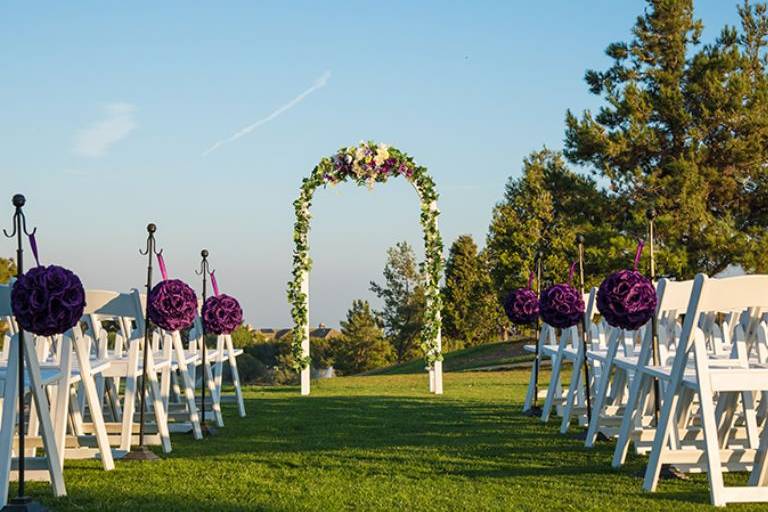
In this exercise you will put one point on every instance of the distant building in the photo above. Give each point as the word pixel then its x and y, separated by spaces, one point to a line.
pixel 322 331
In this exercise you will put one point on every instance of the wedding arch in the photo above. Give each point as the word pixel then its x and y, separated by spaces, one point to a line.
pixel 368 164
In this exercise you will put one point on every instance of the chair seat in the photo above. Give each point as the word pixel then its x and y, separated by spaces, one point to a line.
pixel 189 357
pixel 118 366
pixel 97 366
pixel 48 376
pixel 236 352
pixel 600 355
pixel 570 353
pixel 210 356
pixel 549 350
pixel 626 363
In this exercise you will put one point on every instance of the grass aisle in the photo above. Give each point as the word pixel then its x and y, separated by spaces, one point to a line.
pixel 379 443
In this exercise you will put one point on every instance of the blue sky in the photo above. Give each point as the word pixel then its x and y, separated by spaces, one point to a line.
pixel 106 110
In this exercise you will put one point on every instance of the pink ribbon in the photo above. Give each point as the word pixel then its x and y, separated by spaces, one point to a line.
pixel 571 271
pixel 161 264
pixel 530 280
pixel 638 253
pixel 214 284
pixel 33 244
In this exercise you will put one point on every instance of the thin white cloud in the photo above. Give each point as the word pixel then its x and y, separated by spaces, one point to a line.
pixel 318 84
pixel 96 140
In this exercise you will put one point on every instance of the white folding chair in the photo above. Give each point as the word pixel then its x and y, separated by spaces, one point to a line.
pixel 570 348
pixel 126 363
pixel 196 340
pixel 548 339
pixel 637 420
pixel 226 351
pixel 576 399
pixel 712 376
pixel 623 359
pixel 49 465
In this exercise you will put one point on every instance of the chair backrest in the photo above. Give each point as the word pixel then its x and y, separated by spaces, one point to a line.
pixel 729 294
pixel 106 304
pixel 672 296
pixel 733 294
pixel 590 309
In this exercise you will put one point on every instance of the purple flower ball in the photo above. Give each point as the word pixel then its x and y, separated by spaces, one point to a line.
pixel 626 299
pixel 172 305
pixel 222 314
pixel 561 306
pixel 522 306
pixel 48 300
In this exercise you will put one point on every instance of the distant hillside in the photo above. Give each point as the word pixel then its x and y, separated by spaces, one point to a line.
pixel 489 354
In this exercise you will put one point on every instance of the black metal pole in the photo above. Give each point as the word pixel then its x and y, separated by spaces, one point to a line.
pixel 651 215
pixel 584 329
pixel 204 271
pixel 144 453
pixel 535 410
pixel 21 502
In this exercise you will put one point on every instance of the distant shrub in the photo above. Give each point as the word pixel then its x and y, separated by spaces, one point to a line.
pixel 251 370
pixel 322 352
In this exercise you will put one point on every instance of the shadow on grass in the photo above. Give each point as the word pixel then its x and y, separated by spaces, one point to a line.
pixel 288 442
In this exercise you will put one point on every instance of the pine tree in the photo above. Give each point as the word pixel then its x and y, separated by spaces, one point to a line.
pixel 544 210
pixel 471 309
pixel 362 345
pixel 685 129
pixel 404 300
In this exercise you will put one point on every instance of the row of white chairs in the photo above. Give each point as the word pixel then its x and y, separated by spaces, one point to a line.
pixel 84 387
pixel 698 404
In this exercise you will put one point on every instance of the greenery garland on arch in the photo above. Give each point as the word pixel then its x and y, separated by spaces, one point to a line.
pixel 367 164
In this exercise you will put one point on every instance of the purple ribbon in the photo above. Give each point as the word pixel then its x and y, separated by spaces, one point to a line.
pixel 33 244
pixel 214 283
pixel 161 264
pixel 530 280
pixel 571 271
pixel 638 253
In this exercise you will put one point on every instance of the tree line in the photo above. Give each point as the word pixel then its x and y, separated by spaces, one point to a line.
pixel 682 131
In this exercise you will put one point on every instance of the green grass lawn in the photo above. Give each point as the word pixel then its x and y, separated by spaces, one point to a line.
pixel 380 443
pixel 487 354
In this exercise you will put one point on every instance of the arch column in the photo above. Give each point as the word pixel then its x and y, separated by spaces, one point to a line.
pixel 305 372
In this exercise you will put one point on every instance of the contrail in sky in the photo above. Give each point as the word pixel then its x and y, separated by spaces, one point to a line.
pixel 318 84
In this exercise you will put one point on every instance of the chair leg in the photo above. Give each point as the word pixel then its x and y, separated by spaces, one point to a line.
pixel 215 399
pixel 94 405
pixel 46 425
pixel 666 423
pixel 235 376
pixel 759 475
pixel 553 389
pixel 712 446
pixel 129 399
pixel 159 411
pixel 8 421
pixel 597 406
pixel 189 387
pixel 572 396
pixel 631 409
